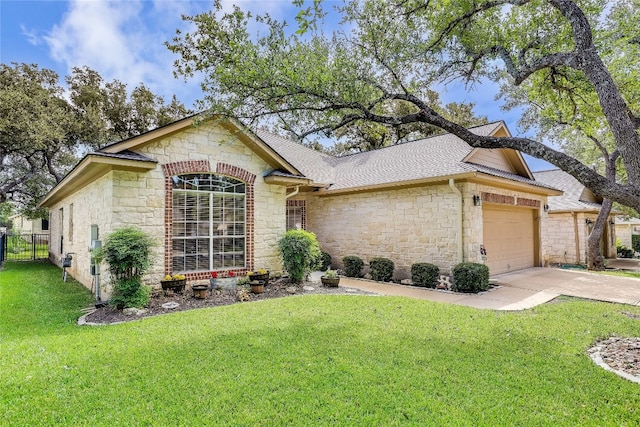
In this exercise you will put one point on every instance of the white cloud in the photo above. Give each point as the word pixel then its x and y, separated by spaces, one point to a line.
pixel 121 40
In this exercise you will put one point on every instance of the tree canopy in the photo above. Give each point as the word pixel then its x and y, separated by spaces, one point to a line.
pixel 44 128
pixel 585 52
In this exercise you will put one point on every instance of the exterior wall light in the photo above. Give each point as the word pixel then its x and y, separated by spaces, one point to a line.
pixel 612 223
pixel 546 208
pixel 477 201
pixel 588 221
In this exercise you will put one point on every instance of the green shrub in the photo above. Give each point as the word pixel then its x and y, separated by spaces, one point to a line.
pixel 299 250
pixel 128 253
pixel 129 293
pixel 352 266
pixel 425 274
pixel 324 262
pixel 624 252
pixel 470 277
pixel 635 242
pixel 381 269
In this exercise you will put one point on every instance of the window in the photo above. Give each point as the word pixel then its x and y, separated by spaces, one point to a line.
pixel 61 229
pixel 296 215
pixel 209 223
pixel 71 223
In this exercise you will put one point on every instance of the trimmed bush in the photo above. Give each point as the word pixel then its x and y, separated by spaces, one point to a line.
pixel 130 292
pixel 128 253
pixel 352 266
pixel 470 277
pixel 635 242
pixel 381 269
pixel 324 261
pixel 425 274
pixel 624 252
pixel 299 250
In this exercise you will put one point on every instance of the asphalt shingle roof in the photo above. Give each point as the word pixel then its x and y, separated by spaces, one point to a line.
pixel 437 156
pixel 573 189
pixel 126 155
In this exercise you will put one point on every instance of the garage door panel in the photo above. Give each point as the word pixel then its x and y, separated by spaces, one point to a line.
pixel 509 237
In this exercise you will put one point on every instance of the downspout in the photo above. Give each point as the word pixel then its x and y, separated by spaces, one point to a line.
pixel 460 231
pixel 296 191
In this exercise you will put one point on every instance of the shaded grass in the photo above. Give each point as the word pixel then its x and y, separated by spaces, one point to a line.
pixel 621 273
pixel 313 360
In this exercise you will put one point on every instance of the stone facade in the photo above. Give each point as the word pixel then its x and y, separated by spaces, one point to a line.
pixel 408 225
pixel 122 198
pixel 624 232
pixel 566 234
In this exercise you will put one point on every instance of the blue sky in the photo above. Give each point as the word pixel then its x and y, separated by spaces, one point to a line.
pixel 124 39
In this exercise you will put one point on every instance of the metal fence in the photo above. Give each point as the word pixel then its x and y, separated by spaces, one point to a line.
pixel 2 239
pixel 25 247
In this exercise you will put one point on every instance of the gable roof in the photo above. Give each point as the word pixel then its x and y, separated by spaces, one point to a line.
pixel 576 196
pixel 430 159
pixel 236 128
pixel 434 159
pixel 119 156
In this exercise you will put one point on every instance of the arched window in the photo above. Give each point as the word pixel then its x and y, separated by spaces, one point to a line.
pixel 209 223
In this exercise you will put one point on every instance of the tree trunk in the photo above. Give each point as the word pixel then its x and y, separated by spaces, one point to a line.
pixel 595 260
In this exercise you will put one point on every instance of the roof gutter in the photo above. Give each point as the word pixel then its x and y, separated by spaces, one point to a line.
pixel 296 191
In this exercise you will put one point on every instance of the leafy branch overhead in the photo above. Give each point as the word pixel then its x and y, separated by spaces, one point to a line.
pixel 43 128
pixel 385 53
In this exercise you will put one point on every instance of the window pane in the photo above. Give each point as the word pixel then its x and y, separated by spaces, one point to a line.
pixel 208 223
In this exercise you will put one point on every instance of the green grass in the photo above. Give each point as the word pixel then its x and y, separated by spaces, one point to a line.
pixel 21 249
pixel 304 361
pixel 632 274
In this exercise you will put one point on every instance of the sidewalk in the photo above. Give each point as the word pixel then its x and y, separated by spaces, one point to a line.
pixel 501 298
pixel 518 290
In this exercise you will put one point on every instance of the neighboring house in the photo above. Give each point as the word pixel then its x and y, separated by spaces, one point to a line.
pixel 22 224
pixel 218 197
pixel 570 220
pixel 625 228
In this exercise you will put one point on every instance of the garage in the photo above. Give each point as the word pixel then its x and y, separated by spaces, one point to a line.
pixel 510 238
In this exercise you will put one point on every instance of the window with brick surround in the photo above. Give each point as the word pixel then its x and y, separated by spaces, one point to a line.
pixel 209 224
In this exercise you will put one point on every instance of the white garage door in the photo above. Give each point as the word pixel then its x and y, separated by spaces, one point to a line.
pixel 509 237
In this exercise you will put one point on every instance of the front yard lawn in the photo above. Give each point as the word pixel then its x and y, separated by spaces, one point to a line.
pixel 304 361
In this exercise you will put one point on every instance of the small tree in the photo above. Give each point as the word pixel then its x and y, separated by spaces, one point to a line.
pixel 128 253
pixel 299 250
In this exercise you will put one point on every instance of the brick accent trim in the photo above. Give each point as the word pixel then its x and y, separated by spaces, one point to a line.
pixel 498 198
pixel 187 166
pixel 235 172
pixel 195 166
pixel 523 201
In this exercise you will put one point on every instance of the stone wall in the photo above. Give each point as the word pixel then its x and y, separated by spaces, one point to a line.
pixel 72 219
pixel 406 225
pixel 128 198
pixel 625 231
pixel 559 237
pixel 420 224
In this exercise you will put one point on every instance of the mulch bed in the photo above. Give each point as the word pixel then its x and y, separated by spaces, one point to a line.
pixel 275 289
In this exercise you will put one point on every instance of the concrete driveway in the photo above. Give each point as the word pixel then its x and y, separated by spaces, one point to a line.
pixel 574 283
pixel 519 290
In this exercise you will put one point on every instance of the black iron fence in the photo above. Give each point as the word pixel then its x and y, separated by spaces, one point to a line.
pixel 1 248
pixel 25 247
